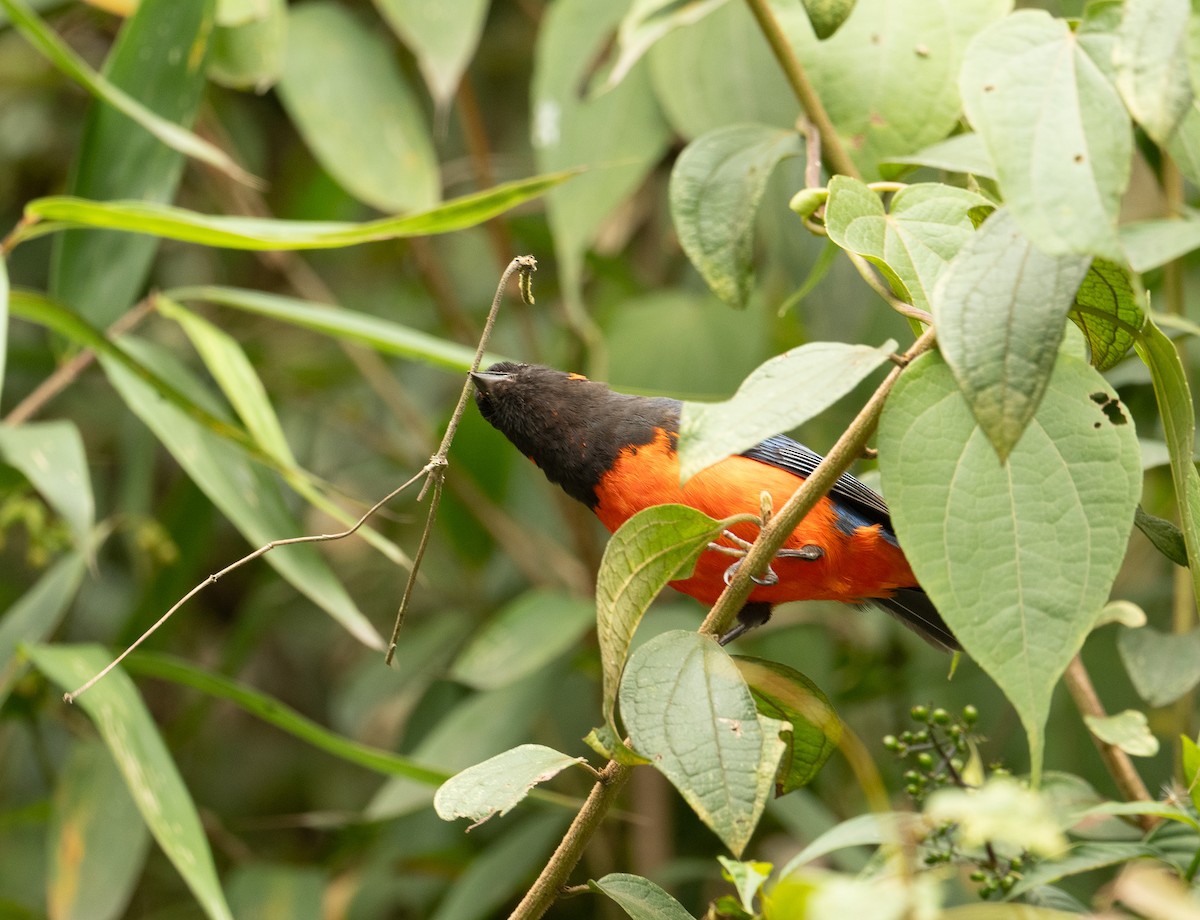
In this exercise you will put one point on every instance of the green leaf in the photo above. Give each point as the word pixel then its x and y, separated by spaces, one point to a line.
pixel 749 86
pixel 36 614
pixel 249 44
pixel 827 16
pixel 245 493
pixel 999 311
pixel 645 23
pixel 499 874
pixel 385 336
pixel 781 394
pixel 1082 857
pixel 479 727
pixel 51 456
pixel 1162 666
pixel 58 53
pixel 785 694
pixel 1179 425
pixel 1019 556
pixel 443 37
pixel 1190 754
pixel 98 840
pixel 256 233
pixel 1127 613
pixel 159 60
pixel 639 897
pixel 687 709
pixel 351 103
pixel 1184 145
pixel 1129 730
pixel 913 241
pixel 497 786
pixel 1151 243
pixel 647 551
pixel 4 294
pixel 716 187
pixel 526 635
pixel 861 830
pixel 150 774
pixel 1055 129
pixel 621 135
pixel 962 153
pixel 1156 809
pixel 1151 61
pixel 1110 310
pixel 886 55
pixel 274 712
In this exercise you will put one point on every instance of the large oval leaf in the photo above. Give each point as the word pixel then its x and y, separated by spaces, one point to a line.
pixel 442 35
pixel 1018 556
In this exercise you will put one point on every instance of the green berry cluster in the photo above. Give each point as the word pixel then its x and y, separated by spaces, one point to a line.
pixel 935 753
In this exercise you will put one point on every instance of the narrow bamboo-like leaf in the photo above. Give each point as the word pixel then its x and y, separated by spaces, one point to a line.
pixel 98 840
pixel 827 16
pixel 1000 308
pixel 72 65
pixel 689 711
pixel 785 694
pixel 158 59
pixel 267 234
pixel 1054 128
pixel 249 44
pixel 1161 666
pixel 962 153
pixel 644 24
pixel 348 98
pixel 639 897
pixel 37 614
pixel 1178 415
pixel 1163 810
pixel 783 393
pixel 861 830
pixel 442 35
pixel 245 492
pixel 716 186
pixel 150 774
pixel 1109 309
pixel 1190 754
pixel 913 240
pixel 497 786
pixel 1129 730
pixel 51 456
pixel 1082 857
pixel 383 335
pixel 1018 557
pixel 526 635
pixel 282 716
pixel 1151 243
pixel 619 135
pixel 1151 61
pixel 647 551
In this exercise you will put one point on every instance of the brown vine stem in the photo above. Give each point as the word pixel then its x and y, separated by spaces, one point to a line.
pixel 436 467
pixel 1116 761
pixel 834 151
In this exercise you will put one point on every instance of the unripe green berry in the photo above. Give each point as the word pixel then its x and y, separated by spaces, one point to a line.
pixel 940 717
pixel 919 713
pixel 970 714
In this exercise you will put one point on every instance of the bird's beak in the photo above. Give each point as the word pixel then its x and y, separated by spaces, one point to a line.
pixel 484 380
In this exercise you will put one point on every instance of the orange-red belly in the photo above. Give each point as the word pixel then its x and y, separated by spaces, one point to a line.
pixel 857 564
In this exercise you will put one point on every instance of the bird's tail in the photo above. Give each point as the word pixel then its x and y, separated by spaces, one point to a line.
pixel 913 608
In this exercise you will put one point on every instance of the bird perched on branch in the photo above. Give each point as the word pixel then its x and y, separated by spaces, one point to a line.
pixel 617 454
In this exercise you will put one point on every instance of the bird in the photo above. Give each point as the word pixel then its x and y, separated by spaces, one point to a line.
pixel 618 454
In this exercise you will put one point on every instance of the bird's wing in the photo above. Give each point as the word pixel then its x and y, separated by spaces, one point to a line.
pixel 786 454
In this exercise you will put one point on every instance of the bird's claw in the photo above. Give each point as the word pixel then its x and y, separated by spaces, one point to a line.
pixel 765 580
